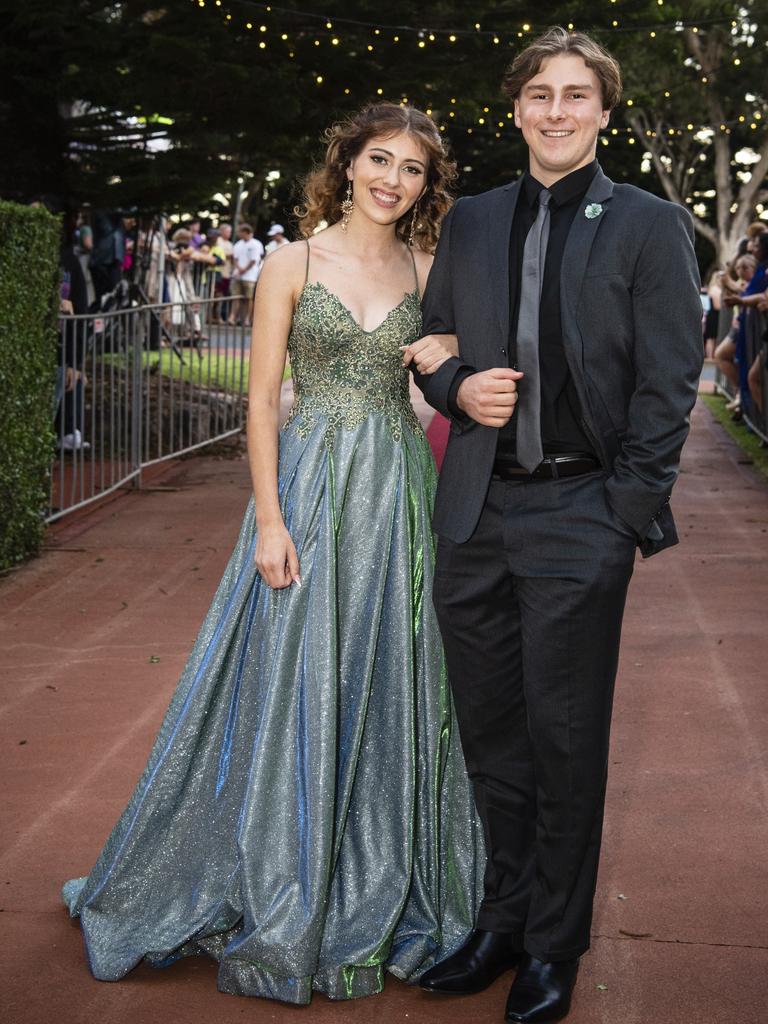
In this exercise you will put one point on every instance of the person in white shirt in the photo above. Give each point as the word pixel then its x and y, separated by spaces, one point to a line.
pixel 247 258
pixel 276 235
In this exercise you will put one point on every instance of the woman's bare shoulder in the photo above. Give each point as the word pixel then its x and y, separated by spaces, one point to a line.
pixel 286 265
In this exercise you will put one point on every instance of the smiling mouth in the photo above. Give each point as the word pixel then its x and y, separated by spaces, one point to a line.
pixel 556 134
pixel 388 199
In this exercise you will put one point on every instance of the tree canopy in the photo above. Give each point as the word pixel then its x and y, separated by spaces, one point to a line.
pixel 175 104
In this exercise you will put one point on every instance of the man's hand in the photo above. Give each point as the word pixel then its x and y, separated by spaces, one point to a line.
pixel 489 397
pixel 430 352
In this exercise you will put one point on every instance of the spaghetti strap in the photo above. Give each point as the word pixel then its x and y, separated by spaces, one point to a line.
pixel 415 272
pixel 306 273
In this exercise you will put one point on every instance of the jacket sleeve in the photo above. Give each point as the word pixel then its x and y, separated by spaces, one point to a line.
pixel 439 318
pixel 668 357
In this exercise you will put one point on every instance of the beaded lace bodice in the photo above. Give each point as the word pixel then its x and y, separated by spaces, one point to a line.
pixel 342 373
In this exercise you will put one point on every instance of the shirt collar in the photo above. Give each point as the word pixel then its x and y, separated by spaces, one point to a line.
pixel 573 186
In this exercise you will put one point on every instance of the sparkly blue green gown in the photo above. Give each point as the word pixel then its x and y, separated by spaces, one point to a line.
pixel 305 815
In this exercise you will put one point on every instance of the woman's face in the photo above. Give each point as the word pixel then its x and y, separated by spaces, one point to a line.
pixel 388 176
pixel 745 269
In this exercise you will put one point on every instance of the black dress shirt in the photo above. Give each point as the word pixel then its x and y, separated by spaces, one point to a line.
pixel 561 429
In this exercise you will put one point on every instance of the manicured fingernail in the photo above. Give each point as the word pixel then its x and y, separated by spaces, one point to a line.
pixel 297 580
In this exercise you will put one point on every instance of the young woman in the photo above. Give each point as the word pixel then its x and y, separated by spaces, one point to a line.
pixel 305 815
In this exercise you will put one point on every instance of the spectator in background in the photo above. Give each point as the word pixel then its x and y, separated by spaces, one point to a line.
pixel 248 257
pixel 753 297
pixel 216 260
pixel 182 259
pixel 754 231
pixel 70 379
pixel 714 293
pixel 129 224
pixel 151 245
pixel 196 238
pixel 108 251
pixel 83 248
pixel 276 235
pixel 225 272
pixel 725 353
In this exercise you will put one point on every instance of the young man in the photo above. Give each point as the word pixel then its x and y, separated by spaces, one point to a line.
pixel 247 257
pixel 579 327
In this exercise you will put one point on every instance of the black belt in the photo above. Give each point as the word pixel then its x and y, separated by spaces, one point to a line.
pixel 552 468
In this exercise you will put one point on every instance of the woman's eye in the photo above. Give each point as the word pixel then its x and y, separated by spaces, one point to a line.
pixel 413 170
pixel 378 159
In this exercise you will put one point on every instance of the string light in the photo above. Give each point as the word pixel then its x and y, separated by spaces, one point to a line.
pixel 752 121
pixel 494 36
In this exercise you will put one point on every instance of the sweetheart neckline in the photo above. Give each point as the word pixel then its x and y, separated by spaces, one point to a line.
pixel 348 311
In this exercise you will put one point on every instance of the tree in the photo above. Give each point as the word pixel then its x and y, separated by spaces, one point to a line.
pixel 180 104
pixel 700 109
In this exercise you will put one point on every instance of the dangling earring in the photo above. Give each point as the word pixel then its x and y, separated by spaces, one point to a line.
pixel 413 224
pixel 347 206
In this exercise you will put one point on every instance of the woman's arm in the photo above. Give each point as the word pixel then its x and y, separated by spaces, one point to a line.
pixel 276 293
pixel 752 300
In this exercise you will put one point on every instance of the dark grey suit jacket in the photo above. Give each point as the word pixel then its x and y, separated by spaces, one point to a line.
pixel 631 321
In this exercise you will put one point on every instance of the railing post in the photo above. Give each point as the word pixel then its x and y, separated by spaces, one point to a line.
pixel 138 333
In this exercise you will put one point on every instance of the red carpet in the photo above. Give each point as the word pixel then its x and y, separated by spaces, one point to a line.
pixel 437 435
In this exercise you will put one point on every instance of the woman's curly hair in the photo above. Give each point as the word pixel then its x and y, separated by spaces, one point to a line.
pixel 325 186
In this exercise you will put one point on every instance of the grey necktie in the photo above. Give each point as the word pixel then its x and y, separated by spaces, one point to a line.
pixel 528 408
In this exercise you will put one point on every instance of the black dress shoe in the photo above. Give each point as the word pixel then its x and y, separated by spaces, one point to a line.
pixel 541 993
pixel 475 966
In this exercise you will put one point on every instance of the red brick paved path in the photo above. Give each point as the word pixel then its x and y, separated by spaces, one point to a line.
pixel 681 924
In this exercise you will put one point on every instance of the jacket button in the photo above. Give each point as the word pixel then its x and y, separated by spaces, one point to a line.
pixel 503 351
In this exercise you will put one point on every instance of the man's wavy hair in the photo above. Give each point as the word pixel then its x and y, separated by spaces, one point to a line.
pixel 556 41
pixel 326 185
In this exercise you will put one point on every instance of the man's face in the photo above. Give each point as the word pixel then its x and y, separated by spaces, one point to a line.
pixel 560 113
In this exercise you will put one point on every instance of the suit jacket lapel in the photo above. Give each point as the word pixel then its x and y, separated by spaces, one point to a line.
pixel 579 244
pixel 499 232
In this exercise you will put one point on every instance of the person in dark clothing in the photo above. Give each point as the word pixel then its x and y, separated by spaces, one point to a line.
pixel 108 251
pixel 575 303
pixel 72 350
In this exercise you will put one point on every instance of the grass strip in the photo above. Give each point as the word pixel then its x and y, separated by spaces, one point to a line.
pixel 749 443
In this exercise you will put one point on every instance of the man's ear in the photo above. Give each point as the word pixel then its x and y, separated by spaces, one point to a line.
pixel 516 109
pixel 605 118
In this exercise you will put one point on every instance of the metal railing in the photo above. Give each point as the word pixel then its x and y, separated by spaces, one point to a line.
pixel 141 385
pixel 754 399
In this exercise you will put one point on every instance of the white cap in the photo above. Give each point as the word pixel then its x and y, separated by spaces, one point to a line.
pixel 276 229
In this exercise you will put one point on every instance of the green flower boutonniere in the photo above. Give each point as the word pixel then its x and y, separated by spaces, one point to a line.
pixel 593 210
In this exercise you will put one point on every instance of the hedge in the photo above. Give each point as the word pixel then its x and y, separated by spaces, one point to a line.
pixel 29 274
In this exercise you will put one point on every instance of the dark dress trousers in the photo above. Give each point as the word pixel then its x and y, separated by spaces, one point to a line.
pixel 531 576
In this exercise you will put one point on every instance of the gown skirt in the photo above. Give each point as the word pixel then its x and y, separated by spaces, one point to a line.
pixel 305 816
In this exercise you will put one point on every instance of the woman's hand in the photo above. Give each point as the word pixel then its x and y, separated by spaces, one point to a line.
pixel 430 352
pixel 276 558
